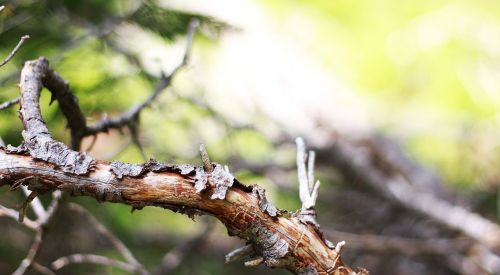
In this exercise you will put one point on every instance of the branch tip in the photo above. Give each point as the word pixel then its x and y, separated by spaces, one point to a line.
pixel 239 253
pixel 308 190
pixel 14 51
pixel 254 262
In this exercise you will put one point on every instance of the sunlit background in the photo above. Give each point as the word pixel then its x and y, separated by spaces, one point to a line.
pixel 425 73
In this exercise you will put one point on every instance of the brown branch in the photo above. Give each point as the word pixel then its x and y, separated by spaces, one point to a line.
pixel 14 51
pixel 281 239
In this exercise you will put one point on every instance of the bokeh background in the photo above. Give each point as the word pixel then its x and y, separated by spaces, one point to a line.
pixel 423 74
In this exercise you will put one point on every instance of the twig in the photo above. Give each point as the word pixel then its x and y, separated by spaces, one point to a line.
pixel 308 190
pixel 2 7
pixel 175 256
pixel 11 213
pixel 126 253
pixel 9 103
pixel 133 113
pixel 35 204
pixel 92 259
pixel 42 269
pixel 22 211
pixel 26 263
pixel 52 208
pixel 14 51
pixel 239 253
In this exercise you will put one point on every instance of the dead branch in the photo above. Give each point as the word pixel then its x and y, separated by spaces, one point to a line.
pixel 280 239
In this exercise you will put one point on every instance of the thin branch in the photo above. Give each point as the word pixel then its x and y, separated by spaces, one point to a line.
pixel 11 213
pixel 122 248
pixel 308 190
pixel 52 208
pixel 239 253
pixel 14 51
pixel 35 204
pixel 132 115
pixel 9 103
pixel 42 269
pixel 32 253
pixel 175 256
pixel 91 259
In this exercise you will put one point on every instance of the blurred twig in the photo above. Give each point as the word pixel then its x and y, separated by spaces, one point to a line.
pixel 132 115
pixel 14 51
pixel 9 103
pixel 176 256
pixel 93 259
pixel 126 253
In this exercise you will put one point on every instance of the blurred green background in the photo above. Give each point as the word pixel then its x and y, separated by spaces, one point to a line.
pixel 424 72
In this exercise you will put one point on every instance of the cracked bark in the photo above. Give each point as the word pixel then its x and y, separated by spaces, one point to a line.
pixel 279 238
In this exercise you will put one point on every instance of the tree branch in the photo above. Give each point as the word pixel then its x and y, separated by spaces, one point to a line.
pixel 281 239
pixel 132 115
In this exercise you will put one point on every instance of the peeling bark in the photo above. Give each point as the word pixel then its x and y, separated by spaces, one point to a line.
pixel 284 241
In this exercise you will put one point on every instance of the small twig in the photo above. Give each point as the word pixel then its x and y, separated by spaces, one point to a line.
pixel 308 190
pixel 9 103
pixel 51 209
pixel 254 262
pixel 175 256
pixel 42 269
pixel 35 204
pixel 11 213
pixel 2 7
pixel 92 259
pixel 126 253
pixel 14 51
pixel 26 263
pixel 22 210
pixel 239 253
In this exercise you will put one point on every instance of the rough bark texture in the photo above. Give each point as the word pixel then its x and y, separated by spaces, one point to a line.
pixel 281 239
